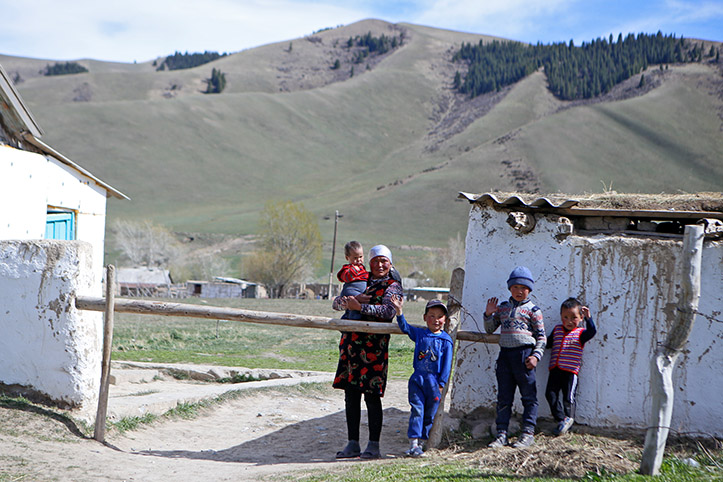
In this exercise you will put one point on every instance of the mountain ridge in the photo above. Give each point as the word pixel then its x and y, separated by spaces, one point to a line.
pixel 389 147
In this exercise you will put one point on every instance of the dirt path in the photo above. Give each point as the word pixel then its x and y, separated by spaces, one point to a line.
pixel 264 432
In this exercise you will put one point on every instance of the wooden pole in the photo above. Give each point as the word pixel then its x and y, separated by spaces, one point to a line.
pixel 663 363
pixel 161 308
pixel 99 433
pixel 456 285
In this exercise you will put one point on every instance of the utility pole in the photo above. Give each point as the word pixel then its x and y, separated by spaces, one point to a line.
pixel 333 249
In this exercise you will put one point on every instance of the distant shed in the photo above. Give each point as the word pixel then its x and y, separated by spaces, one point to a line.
pixel 620 255
pixel 143 281
pixel 224 287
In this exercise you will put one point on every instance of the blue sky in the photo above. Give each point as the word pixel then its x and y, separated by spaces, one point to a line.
pixel 128 30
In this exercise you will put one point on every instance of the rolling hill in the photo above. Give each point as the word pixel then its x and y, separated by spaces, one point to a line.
pixel 389 146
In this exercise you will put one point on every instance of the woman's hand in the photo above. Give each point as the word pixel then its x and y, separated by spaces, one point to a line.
pixel 363 298
pixel 531 362
pixel 352 303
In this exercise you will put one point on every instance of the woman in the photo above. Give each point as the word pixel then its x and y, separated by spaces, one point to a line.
pixel 364 357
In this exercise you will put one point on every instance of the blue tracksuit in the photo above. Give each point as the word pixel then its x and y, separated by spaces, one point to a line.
pixel 432 366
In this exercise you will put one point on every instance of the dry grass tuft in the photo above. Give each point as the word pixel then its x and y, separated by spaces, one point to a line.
pixel 575 455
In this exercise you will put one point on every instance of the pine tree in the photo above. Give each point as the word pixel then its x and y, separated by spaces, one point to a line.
pixel 216 83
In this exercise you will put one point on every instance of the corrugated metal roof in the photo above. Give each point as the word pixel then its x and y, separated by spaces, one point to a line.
pixel 515 201
pixel 593 207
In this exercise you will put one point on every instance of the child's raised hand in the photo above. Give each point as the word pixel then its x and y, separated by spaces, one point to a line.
pixel 398 302
pixel 491 306
pixel 585 312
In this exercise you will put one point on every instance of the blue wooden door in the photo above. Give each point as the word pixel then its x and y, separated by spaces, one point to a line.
pixel 59 225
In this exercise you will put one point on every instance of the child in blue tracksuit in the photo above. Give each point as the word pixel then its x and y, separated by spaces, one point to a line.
pixel 433 349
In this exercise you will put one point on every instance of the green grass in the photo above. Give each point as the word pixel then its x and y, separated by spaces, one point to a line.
pixel 228 343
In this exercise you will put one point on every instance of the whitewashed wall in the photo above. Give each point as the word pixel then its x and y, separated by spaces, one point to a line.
pixel 47 345
pixel 30 182
pixel 630 286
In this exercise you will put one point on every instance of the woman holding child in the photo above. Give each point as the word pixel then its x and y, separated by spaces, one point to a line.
pixel 364 357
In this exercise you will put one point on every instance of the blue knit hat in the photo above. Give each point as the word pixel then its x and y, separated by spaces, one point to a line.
pixel 521 276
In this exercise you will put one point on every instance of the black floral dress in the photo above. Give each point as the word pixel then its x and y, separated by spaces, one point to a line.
pixel 364 357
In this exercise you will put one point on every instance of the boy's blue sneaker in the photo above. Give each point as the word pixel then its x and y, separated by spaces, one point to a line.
pixel 500 441
pixel 525 440
pixel 564 426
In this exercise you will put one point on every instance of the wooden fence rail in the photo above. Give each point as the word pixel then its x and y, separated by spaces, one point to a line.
pixel 162 308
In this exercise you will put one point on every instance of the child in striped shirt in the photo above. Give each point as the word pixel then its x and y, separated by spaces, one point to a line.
pixel 567 341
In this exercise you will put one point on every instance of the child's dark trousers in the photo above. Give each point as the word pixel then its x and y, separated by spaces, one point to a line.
pixel 512 374
pixel 560 393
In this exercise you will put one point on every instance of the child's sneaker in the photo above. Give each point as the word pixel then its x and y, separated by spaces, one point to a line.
pixel 564 426
pixel 525 440
pixel 500 441
pixel 415 452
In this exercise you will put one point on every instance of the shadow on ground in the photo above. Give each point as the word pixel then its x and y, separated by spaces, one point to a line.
pixel 291 444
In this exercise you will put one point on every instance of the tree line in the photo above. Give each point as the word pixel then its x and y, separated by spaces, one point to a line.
pixel 572 72
pixel 64 68
pixel 371 45
pixel 179 60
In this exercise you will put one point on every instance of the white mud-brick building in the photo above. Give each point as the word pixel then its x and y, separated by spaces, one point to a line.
pixel 51 250
pixel 621 256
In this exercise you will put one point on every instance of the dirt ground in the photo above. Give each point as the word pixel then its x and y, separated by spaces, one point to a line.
pixel 280 433
pixel 263 432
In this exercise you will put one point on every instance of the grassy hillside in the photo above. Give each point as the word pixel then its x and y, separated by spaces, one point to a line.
pixel 389 147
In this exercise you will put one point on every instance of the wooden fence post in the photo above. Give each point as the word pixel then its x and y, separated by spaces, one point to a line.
pixel 454 303
pixel 99 433
pixel 662 364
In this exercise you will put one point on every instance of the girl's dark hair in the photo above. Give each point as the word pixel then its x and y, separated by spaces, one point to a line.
pixel 351 246
pixel 570 303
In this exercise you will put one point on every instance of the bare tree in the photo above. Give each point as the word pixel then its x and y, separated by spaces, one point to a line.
pixel 438 265
pixel 143 243
pixel 290 247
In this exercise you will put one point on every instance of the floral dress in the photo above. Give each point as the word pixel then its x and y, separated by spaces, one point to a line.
pixel 364 357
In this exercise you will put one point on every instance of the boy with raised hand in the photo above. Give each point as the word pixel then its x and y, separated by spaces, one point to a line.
pixel 433 348
pixel 522 342
pixel 567 341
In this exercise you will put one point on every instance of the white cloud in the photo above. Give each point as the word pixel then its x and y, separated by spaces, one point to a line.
pixel 127 30
pixel 144 29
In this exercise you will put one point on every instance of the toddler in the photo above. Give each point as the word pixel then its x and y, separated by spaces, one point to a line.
pixel 354 276
pixel 567 341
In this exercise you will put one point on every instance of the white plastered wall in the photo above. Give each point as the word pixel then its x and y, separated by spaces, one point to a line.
pixel 31 182
pixel 630 285
pixel 47 345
